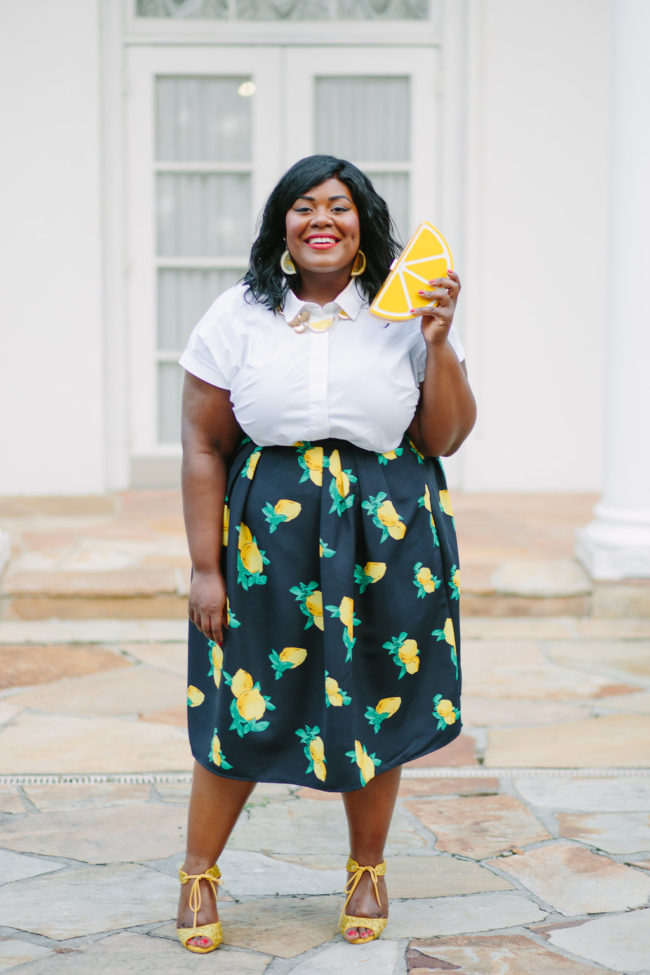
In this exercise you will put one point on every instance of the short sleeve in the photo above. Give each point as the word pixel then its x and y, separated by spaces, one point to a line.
pixel 211 351
pixel 420 352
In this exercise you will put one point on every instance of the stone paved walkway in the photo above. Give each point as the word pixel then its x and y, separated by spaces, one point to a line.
pixel 521 849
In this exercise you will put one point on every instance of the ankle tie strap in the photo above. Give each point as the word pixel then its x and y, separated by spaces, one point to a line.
pixel 357 872
pixel 213 876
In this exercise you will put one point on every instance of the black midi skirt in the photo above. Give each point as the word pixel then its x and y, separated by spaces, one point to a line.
pixel 341 658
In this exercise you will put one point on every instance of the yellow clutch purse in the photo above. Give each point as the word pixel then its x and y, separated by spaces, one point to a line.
pixel 425 257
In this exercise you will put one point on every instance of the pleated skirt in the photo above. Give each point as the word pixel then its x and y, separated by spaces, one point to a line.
pixel 341 659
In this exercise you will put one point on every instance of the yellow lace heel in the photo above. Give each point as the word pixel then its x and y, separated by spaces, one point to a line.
pixel 347 921
pixel 212 931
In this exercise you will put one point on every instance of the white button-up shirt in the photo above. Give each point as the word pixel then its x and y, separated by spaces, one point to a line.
pixel 358 381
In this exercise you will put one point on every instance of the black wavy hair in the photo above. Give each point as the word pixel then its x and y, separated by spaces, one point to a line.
pixel 265 279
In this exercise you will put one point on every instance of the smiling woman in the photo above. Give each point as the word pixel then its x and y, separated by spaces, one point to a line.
pixel 323 235
pixel 315 506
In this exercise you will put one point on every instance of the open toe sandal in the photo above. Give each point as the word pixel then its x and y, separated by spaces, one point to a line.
pixel 210 934
pixel 347 921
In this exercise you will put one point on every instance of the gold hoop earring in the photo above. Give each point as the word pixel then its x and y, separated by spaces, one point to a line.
pixel 359 265
pixel 287 264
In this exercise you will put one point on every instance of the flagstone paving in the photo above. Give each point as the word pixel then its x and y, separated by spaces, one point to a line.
pixel 521 849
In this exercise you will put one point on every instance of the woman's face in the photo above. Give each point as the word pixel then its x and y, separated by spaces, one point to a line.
pixel 322 229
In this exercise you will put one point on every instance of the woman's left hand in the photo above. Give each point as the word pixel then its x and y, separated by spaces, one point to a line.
pixel 438 316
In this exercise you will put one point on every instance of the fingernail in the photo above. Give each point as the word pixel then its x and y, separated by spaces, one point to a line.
pixel 420 292
pixel 412 311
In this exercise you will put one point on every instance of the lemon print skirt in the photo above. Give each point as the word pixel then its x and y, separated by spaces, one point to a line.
pixel 341 659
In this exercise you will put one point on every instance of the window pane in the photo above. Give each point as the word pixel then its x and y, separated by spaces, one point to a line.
pixel 203 120
pixel 203 215
pixel 183 297
pixel 182 8
pixel 383 9
pixel 363 118
pixel 170 385
pixel 281 10
pixel 394 187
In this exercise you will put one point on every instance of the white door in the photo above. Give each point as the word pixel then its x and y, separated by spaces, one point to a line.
pixel 210 129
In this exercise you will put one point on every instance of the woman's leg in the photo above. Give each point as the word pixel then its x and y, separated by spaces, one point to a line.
pixel 215 805
pixel 369 811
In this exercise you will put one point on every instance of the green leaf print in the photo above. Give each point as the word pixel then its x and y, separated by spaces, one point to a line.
pixel 250 560
pixel 367 763
pixel 335 696
pixel 325 551
pixel 345 612
pixel 423 580
pixel 454 582
pixel 405 654
pixel 383 514
pixel 311 603
pixel 448 635
pixel 216 755
pixel 313 750
pixel 444 712
pixel 390 455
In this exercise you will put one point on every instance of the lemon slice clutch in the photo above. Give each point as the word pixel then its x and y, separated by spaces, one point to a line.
pixel 425 257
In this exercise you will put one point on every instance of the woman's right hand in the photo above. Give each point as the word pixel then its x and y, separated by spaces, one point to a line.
pixel 207 603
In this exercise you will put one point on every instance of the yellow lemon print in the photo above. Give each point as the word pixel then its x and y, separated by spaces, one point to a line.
pixel 314 461
pixel 216 750
pixel 216 659
pixel 293 655
pixel 251 558
pixel 343 484
pixel 335 463
pixel 450 636
pixel 346 609
pixel 375 570
pixel 251 705
pixel 320 771
pixel 314 605
pixel 195 697
pixel 245 536
pixel 445 503
pixel 426 579
pixel 287 510
pixel 241 683
pixel 333 692
pixel 364 761
pixel 226 524
pixel 388 706
pixel 253 461
pixel 390 519
pixel 447 711
pixel 317 749
pixel 408 654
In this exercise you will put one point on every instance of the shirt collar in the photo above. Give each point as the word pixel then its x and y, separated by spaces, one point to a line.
pixel 350 301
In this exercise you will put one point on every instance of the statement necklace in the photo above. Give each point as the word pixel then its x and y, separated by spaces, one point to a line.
pixel 302 321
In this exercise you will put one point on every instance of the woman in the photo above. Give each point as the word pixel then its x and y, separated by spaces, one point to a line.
pixel 324 595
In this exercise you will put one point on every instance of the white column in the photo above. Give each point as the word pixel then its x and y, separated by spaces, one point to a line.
pixel 616 544
pixel 4 550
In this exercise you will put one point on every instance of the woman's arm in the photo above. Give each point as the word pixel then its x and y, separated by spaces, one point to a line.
pixel 209 434
pixel 446 411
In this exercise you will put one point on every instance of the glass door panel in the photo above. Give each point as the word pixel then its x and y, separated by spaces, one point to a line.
pixel 370 112
pixel 201 123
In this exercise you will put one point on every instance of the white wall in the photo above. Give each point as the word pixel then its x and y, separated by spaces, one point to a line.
pixel 534 247
pixel 51 389
pixel 536 239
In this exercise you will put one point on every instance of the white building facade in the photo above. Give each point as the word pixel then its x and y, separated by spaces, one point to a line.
pixel 141 138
